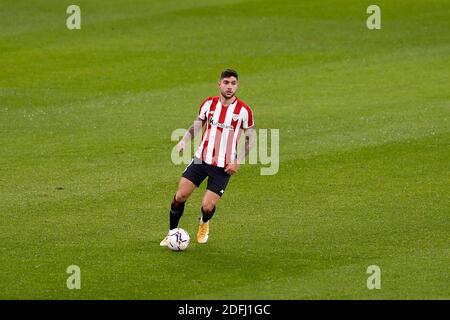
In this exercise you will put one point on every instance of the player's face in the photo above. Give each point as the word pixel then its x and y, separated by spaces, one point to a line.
pixel 228 87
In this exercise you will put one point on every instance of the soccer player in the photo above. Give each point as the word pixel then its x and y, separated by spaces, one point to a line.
pixel 223 119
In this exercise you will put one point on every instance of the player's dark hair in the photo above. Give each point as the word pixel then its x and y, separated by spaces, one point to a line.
pixel 228 73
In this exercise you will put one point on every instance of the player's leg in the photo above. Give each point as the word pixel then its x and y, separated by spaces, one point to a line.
pixel 209 205
pixel 217 183
pixel 192 177
pixel 185 189
pixel 208 208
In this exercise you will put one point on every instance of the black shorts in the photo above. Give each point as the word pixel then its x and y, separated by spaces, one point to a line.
pixel 198 170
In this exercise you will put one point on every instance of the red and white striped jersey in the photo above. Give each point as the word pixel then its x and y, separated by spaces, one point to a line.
pixel 222 130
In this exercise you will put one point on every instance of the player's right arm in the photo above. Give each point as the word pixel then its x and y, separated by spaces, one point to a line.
pixel 197 126
pixel 190 133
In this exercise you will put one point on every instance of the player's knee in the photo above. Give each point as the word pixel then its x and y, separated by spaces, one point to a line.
pixel 208 207
pixel 181 196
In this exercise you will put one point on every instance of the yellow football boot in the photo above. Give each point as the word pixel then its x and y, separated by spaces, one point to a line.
pixel 203 232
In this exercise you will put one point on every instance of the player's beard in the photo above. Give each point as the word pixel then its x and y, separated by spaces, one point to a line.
pixel 228 95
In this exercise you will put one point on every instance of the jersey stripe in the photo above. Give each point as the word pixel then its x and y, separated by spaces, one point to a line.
pixel 225 135
pixel 231 146
pixel 199 154
pixel 218 136
pixel 212 134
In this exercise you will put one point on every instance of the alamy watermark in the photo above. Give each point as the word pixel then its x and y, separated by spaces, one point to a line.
pixel 261 152
pixel 74 20
pixel 74 280
pixel 373 22
pixel 374 280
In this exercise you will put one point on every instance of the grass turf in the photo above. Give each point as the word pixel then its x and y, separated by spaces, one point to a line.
pixel 85 170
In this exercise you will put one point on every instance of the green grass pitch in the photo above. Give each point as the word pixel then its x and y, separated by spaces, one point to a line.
pixel 86 176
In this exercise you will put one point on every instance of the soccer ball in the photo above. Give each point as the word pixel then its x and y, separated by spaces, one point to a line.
pixel 178 239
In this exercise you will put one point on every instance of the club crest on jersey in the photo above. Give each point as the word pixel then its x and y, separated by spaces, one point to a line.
pixel 235 117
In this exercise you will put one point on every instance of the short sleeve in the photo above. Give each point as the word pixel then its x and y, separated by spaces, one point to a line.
pixel 204 107
pixel 247 119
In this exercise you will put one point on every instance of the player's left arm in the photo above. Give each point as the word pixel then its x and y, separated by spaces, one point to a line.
pixel 250 140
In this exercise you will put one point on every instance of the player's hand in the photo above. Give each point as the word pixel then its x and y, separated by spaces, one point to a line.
pixel 180 146
pixel 232 168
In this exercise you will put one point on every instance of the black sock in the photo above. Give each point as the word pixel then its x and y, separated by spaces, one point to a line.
pixel 176 211
pixel 207 215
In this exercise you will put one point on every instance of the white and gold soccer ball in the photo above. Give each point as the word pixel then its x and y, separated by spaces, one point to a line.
pixel 178 239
